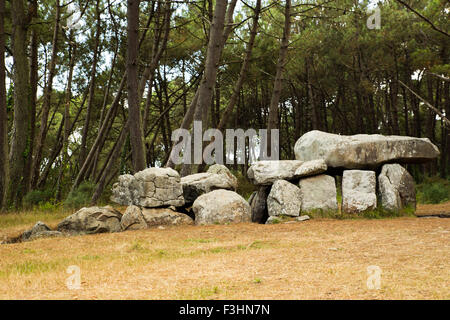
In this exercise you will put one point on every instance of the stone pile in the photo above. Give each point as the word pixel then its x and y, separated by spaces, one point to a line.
pixel 158 196
pixel 367 165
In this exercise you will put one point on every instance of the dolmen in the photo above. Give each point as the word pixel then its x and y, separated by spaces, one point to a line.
pixel 368 168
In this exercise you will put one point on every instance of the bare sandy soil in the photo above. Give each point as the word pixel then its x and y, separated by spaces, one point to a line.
pixel 317 259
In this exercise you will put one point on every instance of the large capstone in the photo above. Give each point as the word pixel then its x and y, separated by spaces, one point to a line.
pixel 92 220
pixel 284 199
pixel 221 207
pixel 318 193
pixel 268 171
pixel 363 151
pixel 150 188
pixel 217 177
pixel 136 218
pixel 396 188
pixel 359 191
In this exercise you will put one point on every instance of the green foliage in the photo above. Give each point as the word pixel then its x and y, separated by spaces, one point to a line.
pixel 245 187
pixel 281 219
pixel 81 196
pixel 37 198
pixel 433 190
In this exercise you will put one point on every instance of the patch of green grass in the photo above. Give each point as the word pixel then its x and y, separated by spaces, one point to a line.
pixel 276 220
pixel 30 267
pixel 138 246
pixel 254 245
pixel 200 293
pixel 162 253
pixel 27 251
pixel 90 257
pixel 378 213
pixel 433 190
pixel 259 244
pixel 201 240
pixel 281 219
pixel 32 216
pixel 220 250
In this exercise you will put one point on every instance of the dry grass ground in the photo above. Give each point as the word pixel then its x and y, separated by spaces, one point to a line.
pixel 433 209
pixel 317 259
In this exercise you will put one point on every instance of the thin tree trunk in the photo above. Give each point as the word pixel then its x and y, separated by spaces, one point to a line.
pixel 108 118
pixel 65 151
pixel 158 49
pixel 47 100
pixel 85 132
pixel 103 111
pixel 278 83
pixel 3 114
pixel 215 46
pixel 243 72
pixel 206 89
pixel 189 116
pixel 34 66
pixel 134 112
pixel 115 155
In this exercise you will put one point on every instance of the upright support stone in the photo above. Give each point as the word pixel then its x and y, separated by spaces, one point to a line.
pixel 258 205
pixel 284 199
pixel 396 187
pixel 318 193
pixel 358 191
pixel 221 207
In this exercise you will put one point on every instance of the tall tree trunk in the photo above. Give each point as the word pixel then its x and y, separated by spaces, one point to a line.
pixel 109 117
pixel 158 49
pixel 189 116
pixel 207 84
pixel 65 149
pixel 278 83
pixel 87 121
pixel 20 140
pixel 445 157
pixel 108 168
pixel 3 113
pixel 215 47
pixel 312 105
pixel 134 112
pixel 47 100
pixel 34 78
pixel 243 72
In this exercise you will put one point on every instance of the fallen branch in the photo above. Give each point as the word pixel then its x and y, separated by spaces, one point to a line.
pixel 446 121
